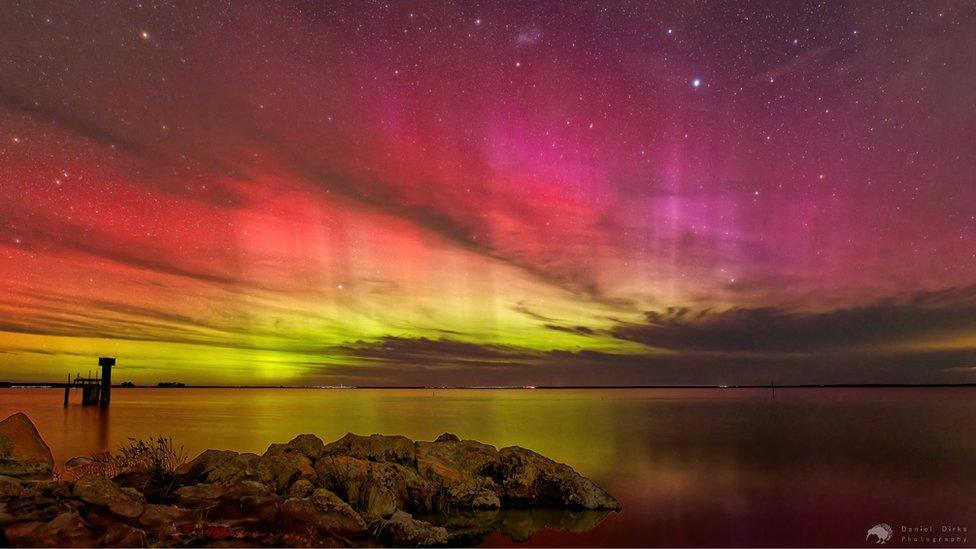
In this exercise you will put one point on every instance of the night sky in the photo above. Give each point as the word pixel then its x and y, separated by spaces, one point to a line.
pixel 428 193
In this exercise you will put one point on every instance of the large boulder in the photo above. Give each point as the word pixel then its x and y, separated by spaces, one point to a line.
pixel 102 492
pixel 281 469
pixel 402 530
pixel 372 488
pixel 309 445
pixel 459 473
pixel 321 514
pixel 381 448
pixel 528 478
pixel 302 488
pixel 201 466
pixel 23 453
pixel 237 468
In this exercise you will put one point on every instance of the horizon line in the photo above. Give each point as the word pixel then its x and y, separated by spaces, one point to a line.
pixel 176 385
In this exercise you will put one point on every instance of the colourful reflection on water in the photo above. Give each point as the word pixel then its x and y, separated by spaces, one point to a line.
pixel 690 466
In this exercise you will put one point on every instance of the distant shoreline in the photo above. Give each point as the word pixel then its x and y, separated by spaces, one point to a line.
pixel 27 385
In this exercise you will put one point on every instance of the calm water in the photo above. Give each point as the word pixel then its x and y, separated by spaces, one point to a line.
pixel 689 466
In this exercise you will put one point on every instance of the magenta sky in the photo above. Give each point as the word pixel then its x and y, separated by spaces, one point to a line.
pixel 489 193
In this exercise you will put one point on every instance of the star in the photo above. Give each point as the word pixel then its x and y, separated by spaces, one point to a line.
pixel 696 83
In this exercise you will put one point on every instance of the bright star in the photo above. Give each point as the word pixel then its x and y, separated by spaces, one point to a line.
pixel 695 83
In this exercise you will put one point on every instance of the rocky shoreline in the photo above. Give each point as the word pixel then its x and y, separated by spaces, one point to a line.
pixel 356 491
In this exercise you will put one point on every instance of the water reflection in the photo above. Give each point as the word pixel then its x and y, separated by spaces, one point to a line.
pixel 472 527
pixel 690 466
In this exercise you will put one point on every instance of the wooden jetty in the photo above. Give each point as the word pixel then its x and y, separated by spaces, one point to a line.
pixel 94 390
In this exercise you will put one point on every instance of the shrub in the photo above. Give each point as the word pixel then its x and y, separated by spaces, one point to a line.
pixel 151 463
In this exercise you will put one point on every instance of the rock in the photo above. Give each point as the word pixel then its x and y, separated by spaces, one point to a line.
pixel 372 488
pixel 242 501
pixel 117 534
pixel 23 453
pixel 381 448
pixel 79 461
pixel 237 468
pixel 302 488
pixel 356 482
pixel 531 479
pixel 203 465
pixel 281 470
pixel 67 529
pixel 323 513
pixel 166 516
pixel 137 479
pixel 309 445
pixel 201 495
pixel 10 488
pixel 103 492
pixel 39 503
pixel 403 530
pixel 460 473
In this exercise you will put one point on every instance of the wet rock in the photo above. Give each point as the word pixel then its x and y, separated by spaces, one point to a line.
pixel 460 473
pixel 528 478
pixel 103 492
pixel 369 487
pixel 447 437
pixel 380 448
pixel 403 530
pixel 323 513
pixel 202 465
pixel 283 469
pixel 301 488
pixel 23 453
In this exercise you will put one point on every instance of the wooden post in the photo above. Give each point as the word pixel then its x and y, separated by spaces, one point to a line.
pixel 105 395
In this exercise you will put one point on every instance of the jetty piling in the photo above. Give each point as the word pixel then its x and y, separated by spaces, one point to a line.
pixel 94 390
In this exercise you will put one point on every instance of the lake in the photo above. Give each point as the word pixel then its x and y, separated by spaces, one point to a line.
pixel 690 466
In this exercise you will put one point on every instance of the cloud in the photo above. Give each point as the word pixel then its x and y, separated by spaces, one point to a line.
pixel 579 330
pixel 770 329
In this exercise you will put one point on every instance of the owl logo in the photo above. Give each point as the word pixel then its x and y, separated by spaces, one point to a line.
pixel 882 532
